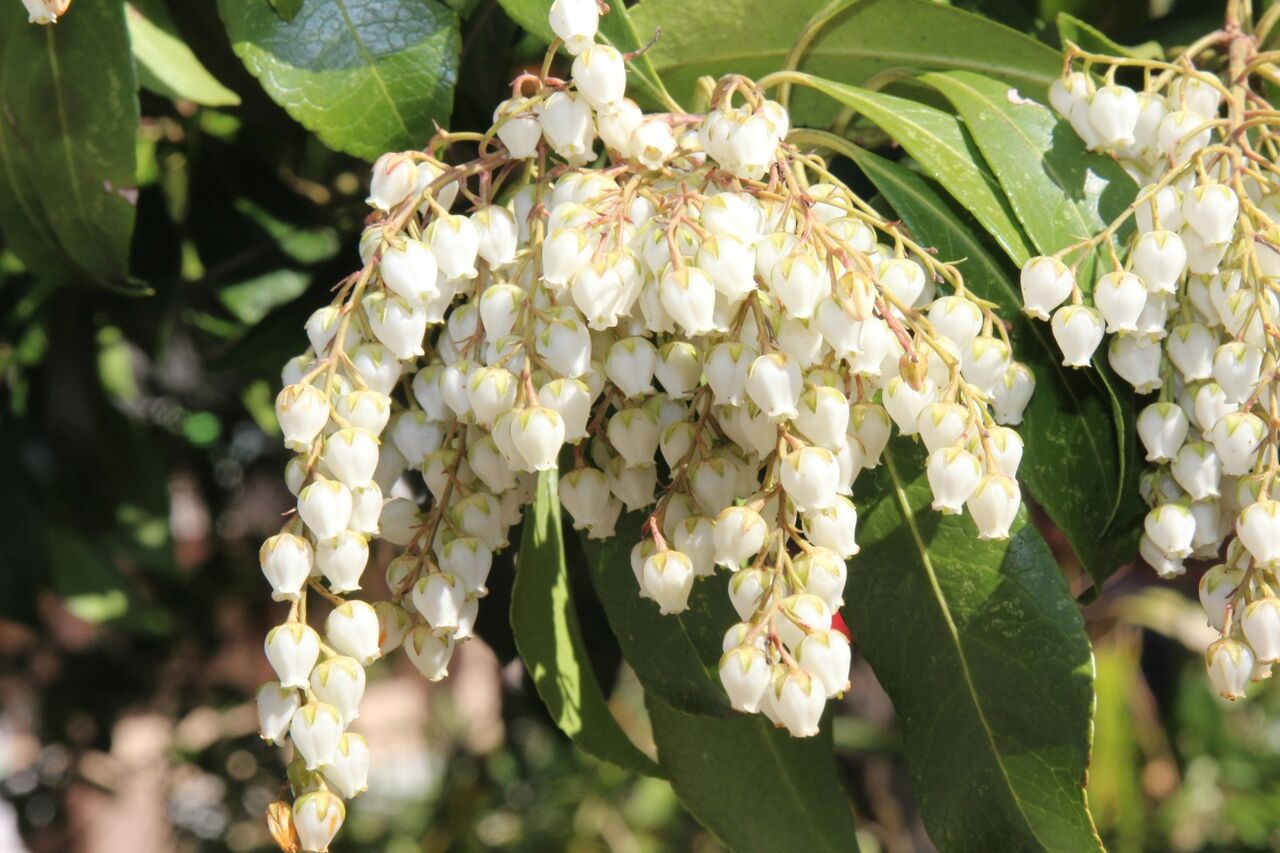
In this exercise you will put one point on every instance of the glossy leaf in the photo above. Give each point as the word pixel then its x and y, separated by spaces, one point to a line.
pixel 754 37
pixel 676 657
pixel 550 641
pixel 984 654
pixel 1089 37
pixel 1068 428
pixel 616 28
pixel 939 143
pixel 68 132
pixel 166 65
pixel 754 786
pixel 286 9
pixel 1060 192
pixel 367 76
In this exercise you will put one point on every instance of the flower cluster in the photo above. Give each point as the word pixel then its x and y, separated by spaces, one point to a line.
pixel 703 326
pixel 1191 311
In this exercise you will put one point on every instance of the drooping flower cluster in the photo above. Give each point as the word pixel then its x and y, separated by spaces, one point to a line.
pixel 704 327
pixel 1191 311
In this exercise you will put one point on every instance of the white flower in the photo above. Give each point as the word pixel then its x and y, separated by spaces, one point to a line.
pixel 811 477
pixel 1078 331
pixel 617 124
pixel 351 455
pixel 745 675
pixel 726 370
pixel 798 701
pixel 834 527
pixel 302 411
pixel 689 297
pixel 538 433
pixel 455 242
pixel 352 628
pixel 1159 258
pixel 1217 587
pixel 1238 437
pixel 575 22
pixel 439 598
pixel 1171 527
pixel 315 730
pixel 1066 91
pixel 497 234
pixel 567 126
pixel 954 474
pixel 1261 625
pixel 325 507
pixel 1162 428
pixel 349 772
pixel 429 651
pixel 1259 529
pixel 1197 469
pixel 342 558
pixel 668 580
pixel 572 400
pixel 600 75
pixel 1230 665
pixel 399 326
pixel 1113 112
pixel 339 681
pixel 800 283
pixel 317 817
pixel 738 536
pixel 276 707
pixel 774 384
pixel 1237 366
pixel 1046 283
pixel 518 127
pixel 410 272
pixel 392 180
pixel 1120 296
pixel 825 654
pixel 1212 210
pixel 286 562
pixel 994 505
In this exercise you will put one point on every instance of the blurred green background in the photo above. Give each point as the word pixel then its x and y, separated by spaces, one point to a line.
pixel 140 469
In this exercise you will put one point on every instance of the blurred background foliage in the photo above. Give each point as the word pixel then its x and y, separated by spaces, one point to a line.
pixel 140 469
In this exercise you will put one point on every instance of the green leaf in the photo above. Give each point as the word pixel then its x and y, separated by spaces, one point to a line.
pixel 1060 192
pixel 166 65
pixel 68 128
pixel 286 9
pixel 940 144
pixel 1068 429
pixel 252 299
pixel 754 786
pixel 550 641
pixel 616 28
pixel 367 76
pixel 1094 40
pixel 984 654
pixel 677 658
pixel 754 37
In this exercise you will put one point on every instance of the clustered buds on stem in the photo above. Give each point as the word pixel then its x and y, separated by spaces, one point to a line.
pixel 720 333
pixel 1190 301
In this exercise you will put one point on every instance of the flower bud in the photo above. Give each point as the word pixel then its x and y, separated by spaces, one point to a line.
pixel 1197 469
pixel 496 235
pixel 410 272
pixel 694 537
pixel 1012 393
pixel 455 242
pixel 567 126
pixel 1170 527
pixel 726 369
pixel 600 75
pixel 811 477
pixel 397 325
pixel 276 707
pixel 1113 112
pixel 575 23
pixel 678 368
pixel 1211 210
pixel 630 366
pixel 1137 361
pixel 365 409
pixel 954 474
pixel 349 772
pixel 1159 258
pixel 1237 367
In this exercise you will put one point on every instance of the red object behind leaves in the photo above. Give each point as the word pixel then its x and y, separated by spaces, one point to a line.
pixel 837 622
